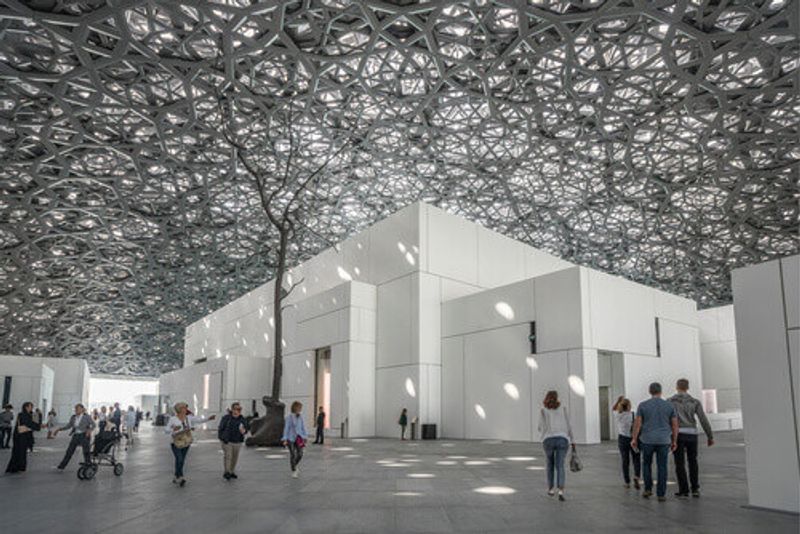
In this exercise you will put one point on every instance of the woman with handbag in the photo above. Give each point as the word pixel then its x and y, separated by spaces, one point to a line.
pixel 294 436
pixel 556 433
pixel 180 428
pixel 23 437
pixel 623 417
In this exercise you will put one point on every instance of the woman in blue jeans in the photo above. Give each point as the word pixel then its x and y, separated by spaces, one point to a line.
pixel 556 434
pixel 182 424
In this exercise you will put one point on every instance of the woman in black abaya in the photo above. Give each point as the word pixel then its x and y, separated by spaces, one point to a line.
pixel 23 436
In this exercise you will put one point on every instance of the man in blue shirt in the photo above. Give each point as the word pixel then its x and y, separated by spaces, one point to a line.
pixel 656 428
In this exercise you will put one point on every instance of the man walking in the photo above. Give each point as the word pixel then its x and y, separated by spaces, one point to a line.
pixel 6 420
pixel 656 428
pixel 80 426
pixel 688 410
pixel 231 431
pixel 320 424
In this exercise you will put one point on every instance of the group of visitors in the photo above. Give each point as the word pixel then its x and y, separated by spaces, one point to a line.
pixel 657 427
pixel 81 425
pixel 231 432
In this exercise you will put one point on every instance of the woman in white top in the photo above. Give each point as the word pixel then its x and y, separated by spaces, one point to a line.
pixel 180 428
pixel 556 434
pixel 130 422
pixel 623 417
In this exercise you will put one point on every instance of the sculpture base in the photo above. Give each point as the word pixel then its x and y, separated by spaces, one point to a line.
pixel 266 431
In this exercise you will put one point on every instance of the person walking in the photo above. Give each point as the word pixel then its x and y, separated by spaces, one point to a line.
pixel 51 424
pixel 689 410
pixel 80 428
pixel 115 414
pixel 180 427
pixel 130 424
pixel 655 428
pixel 556 435
pixel 23 435
pixel 403 422
pixel 320 424
pixel 294 436
pixel 231 432
pixel 623 417
pixel 6 424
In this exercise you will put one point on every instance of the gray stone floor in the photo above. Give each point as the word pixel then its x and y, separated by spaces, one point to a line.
pixel 370 486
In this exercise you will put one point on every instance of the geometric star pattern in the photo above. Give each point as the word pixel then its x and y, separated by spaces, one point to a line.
pixel 656 140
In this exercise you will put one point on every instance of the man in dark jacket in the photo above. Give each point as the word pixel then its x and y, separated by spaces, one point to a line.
pixel 231 431
pixel 320 424
pixel 80 427
pixel 689 410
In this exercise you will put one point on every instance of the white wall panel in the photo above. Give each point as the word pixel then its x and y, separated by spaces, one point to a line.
pixel 673 307
pixel 501 260
pixel 298 374
pixel 427 299
pixel 394 246
pixel 491 308
pixel 680 356
pixel 430 390
pixel 452 246
pixel 361 392
pixel 557 301
pixel 622 314
pixel 495 371
pixel 770 424
pixel 453 402
pixel 539 262
pixel 395 340
pixel 453 289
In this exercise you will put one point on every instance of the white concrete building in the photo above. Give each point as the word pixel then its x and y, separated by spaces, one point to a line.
pixel 68 378
pixel 431 312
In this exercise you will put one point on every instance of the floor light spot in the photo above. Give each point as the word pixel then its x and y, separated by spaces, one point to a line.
pixel 495 490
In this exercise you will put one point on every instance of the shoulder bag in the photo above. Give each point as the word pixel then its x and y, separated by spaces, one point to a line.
pixel 183 438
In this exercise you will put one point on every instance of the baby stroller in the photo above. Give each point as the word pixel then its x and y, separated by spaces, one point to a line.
pixel 103 454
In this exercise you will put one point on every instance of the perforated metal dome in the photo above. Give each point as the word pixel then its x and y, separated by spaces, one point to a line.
pixel 657 140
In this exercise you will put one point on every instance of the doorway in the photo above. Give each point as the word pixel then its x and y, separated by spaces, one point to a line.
pixel 605 410
pixel 322 383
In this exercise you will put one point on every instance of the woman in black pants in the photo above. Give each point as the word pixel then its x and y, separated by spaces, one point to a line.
pixel 623 416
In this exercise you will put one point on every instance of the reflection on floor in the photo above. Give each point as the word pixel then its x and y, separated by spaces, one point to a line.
pixel 370 486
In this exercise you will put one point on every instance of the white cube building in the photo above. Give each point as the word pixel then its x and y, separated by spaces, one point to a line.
pixel 431 312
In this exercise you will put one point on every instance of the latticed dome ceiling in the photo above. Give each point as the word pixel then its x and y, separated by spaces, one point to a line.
pixel 657 140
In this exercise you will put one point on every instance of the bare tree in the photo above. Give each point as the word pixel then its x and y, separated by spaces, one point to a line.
pixel 285 155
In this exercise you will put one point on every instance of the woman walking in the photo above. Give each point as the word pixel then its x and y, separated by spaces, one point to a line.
pixel 556 434
pixel 23 436
pixel 295 436
pixel 623 417
pixel 180 428
pixel 231 431
pixel 51 424
pixel 403 422
pixel 130 424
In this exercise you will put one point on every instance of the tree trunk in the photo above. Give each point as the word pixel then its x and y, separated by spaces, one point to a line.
pixel 277 314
